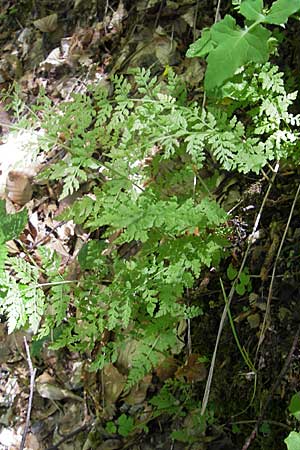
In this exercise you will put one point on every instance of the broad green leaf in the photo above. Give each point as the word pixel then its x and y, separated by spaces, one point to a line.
pixel 236 48
pixel 294 406
pixel 265 428
pixel 240 289
pixel 125 425
pixel 11 225
pixel 293 441
pixel 281 10
pixel 252 10
pixel 202 46
pixel 231 272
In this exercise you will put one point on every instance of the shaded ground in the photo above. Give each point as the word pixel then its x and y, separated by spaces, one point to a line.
pixel 69 401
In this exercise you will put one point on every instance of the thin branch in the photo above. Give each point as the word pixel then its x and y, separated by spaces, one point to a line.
pixel 32 373
pixel 217 18
pixel 47 234
pixel 84 427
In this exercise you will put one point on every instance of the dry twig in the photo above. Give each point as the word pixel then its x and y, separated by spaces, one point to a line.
pixel 85 427
pixel 32 373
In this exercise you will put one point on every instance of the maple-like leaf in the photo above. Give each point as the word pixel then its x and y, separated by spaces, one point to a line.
pixel 278 14
pixel 236 47
pixel 252 10
pixel 230 47
pixel 281 10
pixel 202 46
pixel 293 441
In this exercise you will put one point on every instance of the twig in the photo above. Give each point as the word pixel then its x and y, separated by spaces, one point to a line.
pixel 217 18
pixel 230 296
pixel 84 427
pixel 271 422
pixel 32 372
pixel 47 234
pixel 283 371
pixel 158 14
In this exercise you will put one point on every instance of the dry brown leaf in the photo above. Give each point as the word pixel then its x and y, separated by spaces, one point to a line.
pixel 46 387
pixel 32 442
pixel 138 393
pixel 193 370
pixel 167 368
pixel 113 384
pixel 47 24
pixel 18 187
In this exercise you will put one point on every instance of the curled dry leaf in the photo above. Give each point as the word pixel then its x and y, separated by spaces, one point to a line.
pixel 193 370
pixel 47 389
pixel 18 187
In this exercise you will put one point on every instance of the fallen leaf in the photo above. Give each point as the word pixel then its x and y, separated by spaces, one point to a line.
pixel 47 389
pixel 47 24
pixel 138 393
pixel 167 368
pixel 113 384
pixel 193 370
pixel 18 187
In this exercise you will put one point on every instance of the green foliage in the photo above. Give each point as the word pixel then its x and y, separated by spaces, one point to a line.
pixel 244 283
pixel 259 91
pixel 136 152
pixel 139 151
pixel 58 293
pixel 18 301
pixel 22 299
pixel 171 229
pixel 125 425
pixel 293 441
pixel 228 47
pixel 176 398
pixel 294 406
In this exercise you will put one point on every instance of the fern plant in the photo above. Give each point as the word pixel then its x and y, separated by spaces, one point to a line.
pixel 139 151
pixel 17 303
pixel 127 145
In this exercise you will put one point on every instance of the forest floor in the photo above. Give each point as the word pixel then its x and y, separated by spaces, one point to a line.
pixel 61 47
